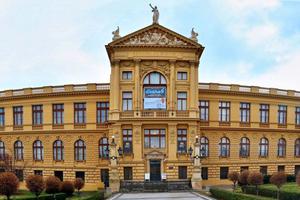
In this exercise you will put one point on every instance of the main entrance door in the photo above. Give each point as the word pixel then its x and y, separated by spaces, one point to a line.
pixel 155 170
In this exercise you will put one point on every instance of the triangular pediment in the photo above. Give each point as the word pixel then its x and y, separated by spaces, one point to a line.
pixel 155 35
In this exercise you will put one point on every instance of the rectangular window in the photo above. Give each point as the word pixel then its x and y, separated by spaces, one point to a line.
pixel 264 113
pixel 224 111
pixel 297 117
pixel 282 113
pixel 58 114
pixel 297 169
pixel 263 170
pixel 181 100
pixel 182 172
pixel 126 75
pixel 102 112
pixel 281 168
pixel 79 113
pixel 127 101
pixel 37 115
pixel 181 75
pixel 244 168
pixel 20 174
pixel 154 138
pixel 204 173
pixel 127 141
pixel 59 174
pixel 224 172
pixel 18 115
pixel 2 117
pixel 127 173
pixel 245 112
pixel 80 174
pixel 181 140
pixel 38 172
pixel 204 110
pixel 104 174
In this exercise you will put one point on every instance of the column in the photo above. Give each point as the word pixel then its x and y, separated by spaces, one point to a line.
pixel 114 90
pixel 137 142
pixel 193 86
pixel 137 85
pixel 114 179
pixel 172 85
pixel 196 175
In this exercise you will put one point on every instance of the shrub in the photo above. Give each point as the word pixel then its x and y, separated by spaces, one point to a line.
pixel 256 179
pixel 243 177
pixel 267 179
pixel 78 184
pixel 291 178
pixel 35 184
pixel 67 187
pixel 234 177
pixel 9 184
pixel 52 185
pixel 227 195
pixel 278 179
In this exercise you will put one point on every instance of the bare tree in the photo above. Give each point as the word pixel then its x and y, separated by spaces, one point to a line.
pixel 234 177
pixel 278 179
pixel 9 184
pixel 8 164
pixel 256 179
pixel 243 178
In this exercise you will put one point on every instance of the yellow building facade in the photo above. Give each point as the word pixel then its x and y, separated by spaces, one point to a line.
pixel 154 121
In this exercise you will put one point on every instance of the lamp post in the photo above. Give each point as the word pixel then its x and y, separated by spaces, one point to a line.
pixel 114 174
pixel 196 176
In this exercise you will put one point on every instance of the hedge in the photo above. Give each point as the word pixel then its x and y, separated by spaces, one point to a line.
pixel 99 195
pixel 228 195
pixel 267 192
pixel 59 196
pixel 289 178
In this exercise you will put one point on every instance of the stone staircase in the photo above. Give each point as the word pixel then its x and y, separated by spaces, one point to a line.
pixel 155 186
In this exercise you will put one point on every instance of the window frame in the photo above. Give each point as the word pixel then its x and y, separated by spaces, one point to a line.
pixel 204 110
pixel 102 110
pixel 281 148
pixel 263 147
pixel 182 101
pixel 2 116
pixel 18 150
pixel 2 150
pixel 264 110
pixel 126 75
pixel 224 143
pixel 79 146
pixel 204 144
pixel 38 150
pixel 182 76
pixel 58 114
pixel 104 148
pixel 297 148
pixel 149 136
pixel 127 103
pixel 80 113
pixel 58 150
pixel 245 142
pixel 181 139
pixel 224 171
pixel 37 115
pixel 127 139
pixel 18 116
pixel 224 111
pixel 282 115
pixel 297 116
pixel 245 109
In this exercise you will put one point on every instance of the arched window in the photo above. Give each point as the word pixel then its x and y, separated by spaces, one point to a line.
pixel 155 91
pixel 58 150
pixel 18 149
pixel 181 140
pixel 224 147
pixel 281 147
pixel 79 150
pixel 204 147
pixel 244 147
pixel 38 151
pixel 263 147
pixel 297 147
pixel 103 148
pixel 2 150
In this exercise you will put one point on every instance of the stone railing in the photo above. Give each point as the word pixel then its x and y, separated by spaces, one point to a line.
pixel 56 89
pixel 248 89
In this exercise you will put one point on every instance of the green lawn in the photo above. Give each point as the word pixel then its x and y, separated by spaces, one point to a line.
pixel 290 187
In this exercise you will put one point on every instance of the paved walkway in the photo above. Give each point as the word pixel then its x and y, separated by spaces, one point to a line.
pixel 160 196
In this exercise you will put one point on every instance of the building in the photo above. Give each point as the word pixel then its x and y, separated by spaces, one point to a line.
pixel 154 121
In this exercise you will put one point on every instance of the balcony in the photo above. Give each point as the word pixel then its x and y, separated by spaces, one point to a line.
pixel 155 114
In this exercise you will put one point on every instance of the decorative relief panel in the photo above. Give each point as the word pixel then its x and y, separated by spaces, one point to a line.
pixel 147 66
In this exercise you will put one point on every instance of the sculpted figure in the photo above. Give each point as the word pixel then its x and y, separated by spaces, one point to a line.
pixel 155 14
pixel 116 34
pixel 194 35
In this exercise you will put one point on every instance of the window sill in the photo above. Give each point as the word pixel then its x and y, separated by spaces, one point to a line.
pixel 17 128
pixel 102 125
pixel 244 124
pixel 37 127
pixel 2 128
pixel 224 123
pixel 79 126
pixel 204 123
pixel 282 126
pixel 57 126
pixel 264 125
pixel 296 126
pixel 80 161
pixel 244 157
pixel 38 161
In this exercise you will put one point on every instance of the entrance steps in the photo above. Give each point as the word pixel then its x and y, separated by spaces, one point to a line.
pixel 155 186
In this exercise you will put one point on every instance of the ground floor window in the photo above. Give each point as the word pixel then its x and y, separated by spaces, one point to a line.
pixel 38 172
pixel 182 172
pixel 80 175
pixel 127 173
pixel 244 168
pixel 20 174
pixel 224 172
pixel 59 174
pixel 155 138
pixel 280 168
pixel 263 170
pixel 297 169
pixel 204 173
pixel 104 174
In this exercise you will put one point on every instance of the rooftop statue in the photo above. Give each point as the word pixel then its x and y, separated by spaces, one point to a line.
pixel 194 35
pixel 155 14
pixel 116 34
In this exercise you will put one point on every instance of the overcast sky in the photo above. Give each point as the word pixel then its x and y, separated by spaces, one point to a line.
pixel 54 42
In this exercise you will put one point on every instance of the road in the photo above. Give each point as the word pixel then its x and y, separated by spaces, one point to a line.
pixel 160 196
